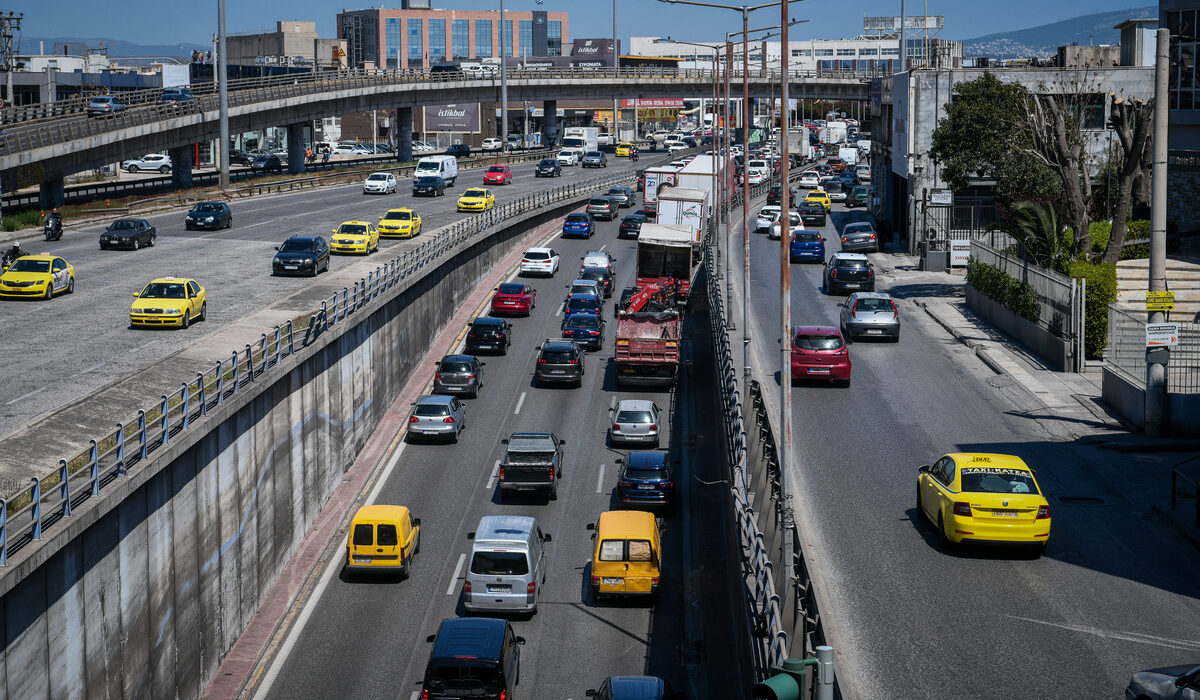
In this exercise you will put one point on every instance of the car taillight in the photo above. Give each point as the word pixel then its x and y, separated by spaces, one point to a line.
pixel 424 694
pixel 872 236
pixel 472 335
pixel 552 474
pixel 448 419
pixel 870 274
pixel 531 588
pixel 653 580
pixel 854 310
pixel 501 475
pixel 962 508
pixel 616 426
pixel 595 580
pixel 653 427
pixel 594 332
pixel 573 362
pixel 843 239
pixel 471 376
pixel 668 484
pixel 1043 512
pixel 438 376
pixel 895 311
pixel 413 419
pixel 466 586
pixel 503 695
pixel 541 361
pixel 833 273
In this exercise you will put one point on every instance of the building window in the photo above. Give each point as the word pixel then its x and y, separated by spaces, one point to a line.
pixel 554 38
pixel 868 52
pixel 393 41
pixel 846 52
pixel 483 38
pixel 437 41
pixel 415 50
pixel 822 52
pixel 525 37
pixel 462 38
pixel 506 38
pixel 889 52
pixel 1182 78
pixel 802 53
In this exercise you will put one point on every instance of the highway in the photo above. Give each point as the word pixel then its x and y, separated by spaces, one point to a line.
pixel 910 619
pixel 75 344
pixel 366 638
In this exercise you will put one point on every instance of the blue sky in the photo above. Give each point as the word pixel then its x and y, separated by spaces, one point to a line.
pixel 173 21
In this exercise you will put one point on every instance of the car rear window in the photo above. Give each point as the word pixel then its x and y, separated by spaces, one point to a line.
pixel 431 411
pixel 510 288
pixel 598 202
pixel 612 550
pixel 645 473
pixel 818 342
pixel 633 417
pixel 873 305
pixel 500 563
pixel 806 237
pixel 583 304
pixel 364 534
pixel 455 366
pixel 851 263
pixel 852 228
pixel 578 218
pixel 997 480
pixel 536 255
pixel 386 535
pixel 470 679
pixel 584 321
pixel 557 356
pixel 296 247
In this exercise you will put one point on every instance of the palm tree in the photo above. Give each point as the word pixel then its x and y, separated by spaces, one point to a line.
pixel 1036 227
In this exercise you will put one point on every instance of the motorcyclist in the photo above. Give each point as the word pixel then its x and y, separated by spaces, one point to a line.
pixel 54 218
pixel 12 253
pixel 633 153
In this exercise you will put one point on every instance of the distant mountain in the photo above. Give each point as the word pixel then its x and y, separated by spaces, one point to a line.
pixel 1044 40
pixel 115 47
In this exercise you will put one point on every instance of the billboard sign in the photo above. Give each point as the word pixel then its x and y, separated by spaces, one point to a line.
pixel 654 102
pixel 455 118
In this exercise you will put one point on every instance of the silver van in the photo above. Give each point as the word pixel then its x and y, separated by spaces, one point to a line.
pixel 508 565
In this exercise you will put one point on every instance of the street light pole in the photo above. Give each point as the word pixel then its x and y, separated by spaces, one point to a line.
pixel 616 123
pixel 222 101
pixel 503 84
pixel 785 318
pixel 1156 358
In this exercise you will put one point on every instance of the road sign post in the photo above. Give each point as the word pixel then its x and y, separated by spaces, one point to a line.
pixel 1162 335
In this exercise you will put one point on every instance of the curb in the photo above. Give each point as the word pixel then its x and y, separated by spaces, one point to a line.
pixel 980 351
pixel 1141 444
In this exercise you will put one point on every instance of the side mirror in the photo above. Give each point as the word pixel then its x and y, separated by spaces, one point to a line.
pixel 430 638
pixel 504 441
pixel 416 522
pixel 471 535
pixel 562 441
pixel 276 247
pixel 333 230
pixel 136 294
pixel 483 364
pixel 519 640
pixel 923 468
pixel 547 538
pixel 591 692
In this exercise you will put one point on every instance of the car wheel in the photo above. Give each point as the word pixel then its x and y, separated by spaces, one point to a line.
pixel 920 504
pixel 103 246
pixel 203 312
pixel 186 322
pixel 132 168
pixel 554 492
pixel 153 240
pixel 70 285
pixel 136 244
pixel 941 526
pixel 164 170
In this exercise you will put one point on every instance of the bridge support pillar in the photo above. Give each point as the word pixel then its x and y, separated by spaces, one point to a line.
pixel 183 159
pixel 295 147
pixel 549 122
pixel 404 119
pixel 51 193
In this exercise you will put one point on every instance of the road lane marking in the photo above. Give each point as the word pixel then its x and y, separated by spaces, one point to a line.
pixel 415 695
pixel 495 474
pixel 600 480
pixel 35 392
pixel 93 368
pixel 457 570
pixel 1185 644
pixel 612 404
pixel 520 402
pixel 603 247
pixel 560 309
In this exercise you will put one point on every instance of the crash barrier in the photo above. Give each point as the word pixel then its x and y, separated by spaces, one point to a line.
pixel 25 516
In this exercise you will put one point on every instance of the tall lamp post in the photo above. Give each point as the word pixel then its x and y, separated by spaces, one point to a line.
pixel 222 102
pixel 503 84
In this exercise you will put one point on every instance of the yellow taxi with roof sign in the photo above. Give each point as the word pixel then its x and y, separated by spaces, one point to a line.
pixel 820 197
pixel 359 237
pixel 624 150
pixel 984 498
pixel 400 223
pixel 476 199
pixel 169 302
pixel 37 277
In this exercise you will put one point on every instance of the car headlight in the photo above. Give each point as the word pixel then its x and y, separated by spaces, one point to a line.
pixel 208 219
pixel 174 312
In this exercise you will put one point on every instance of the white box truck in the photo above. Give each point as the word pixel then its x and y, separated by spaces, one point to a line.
pixel 849 155
pixel 656 179
pixel 683 206
pixel 581 139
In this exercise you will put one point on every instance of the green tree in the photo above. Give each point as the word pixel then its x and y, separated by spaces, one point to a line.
pixel 1036 227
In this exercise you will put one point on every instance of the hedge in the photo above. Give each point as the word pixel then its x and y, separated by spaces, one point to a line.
pixel 1101 291
pixel 994 284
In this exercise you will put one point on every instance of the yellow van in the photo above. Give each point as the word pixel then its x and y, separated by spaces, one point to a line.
pixel 382 539
pixel 628 556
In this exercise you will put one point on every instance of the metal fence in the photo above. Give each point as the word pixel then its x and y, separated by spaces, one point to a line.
pixel 963 221
pixel 1126 353
pixel 27 514
pixel 1060 298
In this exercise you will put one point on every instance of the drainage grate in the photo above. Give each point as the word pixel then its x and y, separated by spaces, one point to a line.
pixel 1081 500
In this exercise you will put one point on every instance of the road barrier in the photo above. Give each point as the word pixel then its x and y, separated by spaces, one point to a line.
pixel 26 515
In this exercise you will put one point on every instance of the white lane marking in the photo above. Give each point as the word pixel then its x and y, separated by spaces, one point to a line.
pixel 560 309
pixel 35 392
pixel 94 367
pixel 457 570
pixel 603 247
pixel 520 402
pixel 1186 644
pixel 415 695
pixel 600 480
pixel 495 474
pixel 612 404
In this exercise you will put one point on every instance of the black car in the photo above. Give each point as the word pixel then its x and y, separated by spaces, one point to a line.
pixel 776 194
pixel 128 233
pixel 210 215
pixel 267 164
pixel 847 272
pixel 812 213
pixel 585 329
pixel 459 150
pixel 487 333
pixel 559 360
pixel 429 186
pixel 624 196
pixel 631 225
pixel 645 480
pixel 301 255
pixel 548 167
pixel 237 157
pixel 601 276
pixel 176 96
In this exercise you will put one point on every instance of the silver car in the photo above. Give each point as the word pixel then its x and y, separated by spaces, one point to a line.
pixel 436 416
pixel 459 375
pixel 104 105
pixel 635 421
pixel 859 237
pixel 602 206
pixel 870 315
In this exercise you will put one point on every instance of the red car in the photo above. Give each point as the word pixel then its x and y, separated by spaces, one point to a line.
pixel 497 175
pixel 819 352
pixel 513 298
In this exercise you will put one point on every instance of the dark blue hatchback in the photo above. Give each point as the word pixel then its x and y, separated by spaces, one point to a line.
pixel 806 245
pixel 580 304
pixel 646 481
pixel 578 224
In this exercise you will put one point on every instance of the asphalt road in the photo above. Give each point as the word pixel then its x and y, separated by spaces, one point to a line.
pixel 57 351
pixel 366 638
pixel 1115 592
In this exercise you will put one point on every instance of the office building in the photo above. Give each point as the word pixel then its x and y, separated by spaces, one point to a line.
pixel 1183 138
pixel 292 43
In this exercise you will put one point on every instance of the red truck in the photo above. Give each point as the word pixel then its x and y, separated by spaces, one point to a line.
pixel 649 322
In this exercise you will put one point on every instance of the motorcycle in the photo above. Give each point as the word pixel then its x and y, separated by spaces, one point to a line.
pixel 52 229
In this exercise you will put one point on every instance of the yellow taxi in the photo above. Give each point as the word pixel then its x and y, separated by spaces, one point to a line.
pixel 820 197
pixel 476 199
pixel 169 302
pixel 624 150
pixel 382 539
pixel 628 557
pixel 354 237
pixel 400 223
pixel 987 498
pixel 37 277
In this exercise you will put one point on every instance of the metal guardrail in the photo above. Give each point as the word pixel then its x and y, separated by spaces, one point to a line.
pixel 1126 352
pixel 26 515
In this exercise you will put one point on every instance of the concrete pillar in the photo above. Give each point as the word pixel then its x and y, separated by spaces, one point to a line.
pixel 51 193
pixel 295 147
pixel 183 159
pixel 404 119
pixel 549 122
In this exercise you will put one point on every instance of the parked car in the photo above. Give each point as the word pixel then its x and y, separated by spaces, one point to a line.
pixel 428 186
pixel 870 315
pixel 459 150
pixel 846 272
pixel 237 157
pixel 634 421
pixel 540 261
pixel 128 233
pixel 436 416
pixel 458 374
pixel 380 183
pixel 602 206
pixel 349 149
pixel 645 480
pixel 104 106
pixel 859 237
pixel 150 161
pixel 819 353
pixel 486 333
pixel 548 167
pixel 301 255
pixel 595 159
pixel 492 144
pixel 422 147
pixel 267 164
pixel 209 215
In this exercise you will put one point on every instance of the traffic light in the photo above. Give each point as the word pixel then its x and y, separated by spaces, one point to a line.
pixel 787 681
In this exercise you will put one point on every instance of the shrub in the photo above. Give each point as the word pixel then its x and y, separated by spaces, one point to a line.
pixel 31 218
pixel 1014 295
pixel 1101 291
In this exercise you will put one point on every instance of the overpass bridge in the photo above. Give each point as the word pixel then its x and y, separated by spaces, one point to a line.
pixel 60 139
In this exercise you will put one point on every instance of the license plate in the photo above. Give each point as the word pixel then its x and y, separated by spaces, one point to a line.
pixel 874 331
pixel 852 285
pixel 510 303
pixel 627 370
pixel 291 267
pixel 612 581
pixel 646 487
pixel 818 370
pixel 486 346
pixel 1005 513
pixel 558 371
pixel 362 560
pixel 499 588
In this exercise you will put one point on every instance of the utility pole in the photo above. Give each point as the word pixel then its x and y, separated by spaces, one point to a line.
pixel 10 24
pixel 1156 358
pixel 503 84
pixel 222 101
pixel 616 123
pixel 786 484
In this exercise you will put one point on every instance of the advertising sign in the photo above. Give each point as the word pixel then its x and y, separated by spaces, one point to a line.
pixel 654 102
pixel 960 252
pixel 592 48
pixel 1160 301
pixel 1162 335
pixel 456 118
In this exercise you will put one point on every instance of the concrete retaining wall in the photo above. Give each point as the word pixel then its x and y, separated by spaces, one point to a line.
pixel 1129 401
pixel 146 589
pixel 1054 351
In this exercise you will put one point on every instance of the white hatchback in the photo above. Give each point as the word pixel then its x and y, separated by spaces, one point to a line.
pixel 568 157
pixel 492 144
pixel 380 183
pixel 810 180
pixel 539 261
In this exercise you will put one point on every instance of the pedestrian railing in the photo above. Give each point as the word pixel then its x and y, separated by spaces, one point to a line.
pixel 1126 352
pixel 25 516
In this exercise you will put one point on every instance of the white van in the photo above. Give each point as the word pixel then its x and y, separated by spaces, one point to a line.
pixel 507 565
pixel 445 167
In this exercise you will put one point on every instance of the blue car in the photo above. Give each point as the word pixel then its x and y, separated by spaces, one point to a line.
pixel 580 304
pixel 578 224
pixel 806 245
pixel 585 329
pixel 645 480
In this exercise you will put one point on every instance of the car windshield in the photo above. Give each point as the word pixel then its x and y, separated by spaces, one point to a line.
pixel 806 237
pixel 587 321
pixel 164 290
pixel 122 225
pixel 511 288
pixel 431 410
pixel 578 218
pixel 378 177
pixel 500 563
pixel 997 480
pixel 566 154
pixel 454 366
pixel 873 304
pixel 475 193
pixel 633 417
pixel 296 247
pixel 208 207
pixel 818 342
pixel 26 265
pixel 397 216
pixel 352 229
pixel 594 154
pixel 496 169
pixel 546 162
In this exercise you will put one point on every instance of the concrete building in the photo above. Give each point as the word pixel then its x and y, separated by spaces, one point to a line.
pixel 49 77
pixel 1183 158
pixel 1137 41
pixel 410 38
pixel 292 43
pixel 1075 56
